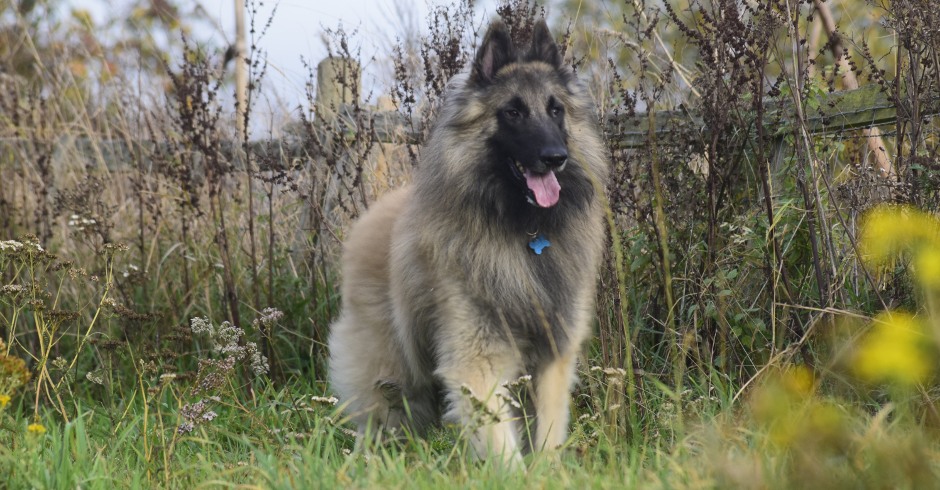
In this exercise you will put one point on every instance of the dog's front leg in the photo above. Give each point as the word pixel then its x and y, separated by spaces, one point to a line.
pixel 474 372
pixel 553 400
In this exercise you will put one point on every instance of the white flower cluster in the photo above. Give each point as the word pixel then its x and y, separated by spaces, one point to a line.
pixel 12 289
pixel 610 372
pixel 509 399
pixel 225 341
pixel 259 363
pixel 131 269
pixel 11 245
pixel 16 246
pixel 519 382
pixel 195 413
pixel 80 222
pixel 201 325
pixel 269 317
pixel 96 376
pixel 332 400
pixel 288 433
pixel 588 417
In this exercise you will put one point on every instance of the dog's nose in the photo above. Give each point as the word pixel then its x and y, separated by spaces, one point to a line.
pixel 553 157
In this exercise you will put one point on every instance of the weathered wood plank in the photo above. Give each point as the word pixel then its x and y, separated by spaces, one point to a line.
pixel 830 113
pixel 849 109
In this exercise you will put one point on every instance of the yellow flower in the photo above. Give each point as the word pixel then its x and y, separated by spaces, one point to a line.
pixel 793 417
pixel 36 428
pixel 780 403
pixel 889 230
pixel 13 373
pixel 927 267
pixel 4 400
pixel 799 381
pixel 812 424
pixel 884 229
pixel 894 351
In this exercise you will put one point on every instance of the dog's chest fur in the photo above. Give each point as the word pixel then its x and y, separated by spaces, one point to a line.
pixel 531 297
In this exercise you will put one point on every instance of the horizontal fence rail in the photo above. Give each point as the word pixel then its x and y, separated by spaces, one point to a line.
pixel 834 112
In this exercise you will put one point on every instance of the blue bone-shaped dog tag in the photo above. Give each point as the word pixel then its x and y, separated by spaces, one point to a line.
pixel 538 244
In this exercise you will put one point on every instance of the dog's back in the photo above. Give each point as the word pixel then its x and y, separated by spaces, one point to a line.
pixel 366 367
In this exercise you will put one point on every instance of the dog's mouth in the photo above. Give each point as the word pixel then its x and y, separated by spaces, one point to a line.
pixel 542 189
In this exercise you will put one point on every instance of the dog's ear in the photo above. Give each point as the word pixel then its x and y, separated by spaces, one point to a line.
pixel 496 52
pixel 544 47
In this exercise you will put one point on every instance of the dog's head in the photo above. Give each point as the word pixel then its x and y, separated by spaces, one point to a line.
pixel 527 95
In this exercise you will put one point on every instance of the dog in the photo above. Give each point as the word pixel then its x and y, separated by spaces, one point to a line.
pixel 484 268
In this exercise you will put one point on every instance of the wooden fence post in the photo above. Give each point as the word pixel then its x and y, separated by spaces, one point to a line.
pixel 339 81
pixel 338 84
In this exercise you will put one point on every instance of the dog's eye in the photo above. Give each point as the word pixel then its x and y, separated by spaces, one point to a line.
pixel 555 111
pixel 513 114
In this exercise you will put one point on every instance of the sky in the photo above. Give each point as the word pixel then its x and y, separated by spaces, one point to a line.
pixel 296 31
pixel 297 27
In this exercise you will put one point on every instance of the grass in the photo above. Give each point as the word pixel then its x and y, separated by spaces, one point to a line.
pixel 283 440
pixel 287 443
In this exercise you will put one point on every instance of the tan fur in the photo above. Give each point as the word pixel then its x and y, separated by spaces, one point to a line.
pixel 364 325
pixel 551 401
pixel 442 297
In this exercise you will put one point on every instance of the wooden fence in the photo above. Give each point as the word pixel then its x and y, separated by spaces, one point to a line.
pixel 834 112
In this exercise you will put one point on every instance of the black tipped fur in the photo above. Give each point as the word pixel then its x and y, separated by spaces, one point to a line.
pixel 543 46
pixel 496 52
pixel 441 289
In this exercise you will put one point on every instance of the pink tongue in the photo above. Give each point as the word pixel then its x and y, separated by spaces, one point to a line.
pixel 545 187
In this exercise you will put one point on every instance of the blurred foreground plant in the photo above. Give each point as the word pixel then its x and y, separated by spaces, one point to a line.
pixel 864 418
pixel 895 351
pixel 900 347
pixel 890 232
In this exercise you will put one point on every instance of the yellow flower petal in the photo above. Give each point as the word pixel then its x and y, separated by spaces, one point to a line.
pixel 799 381
pixel 894 351
pixel 927 267
pixel 36 428
pixel 889 230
